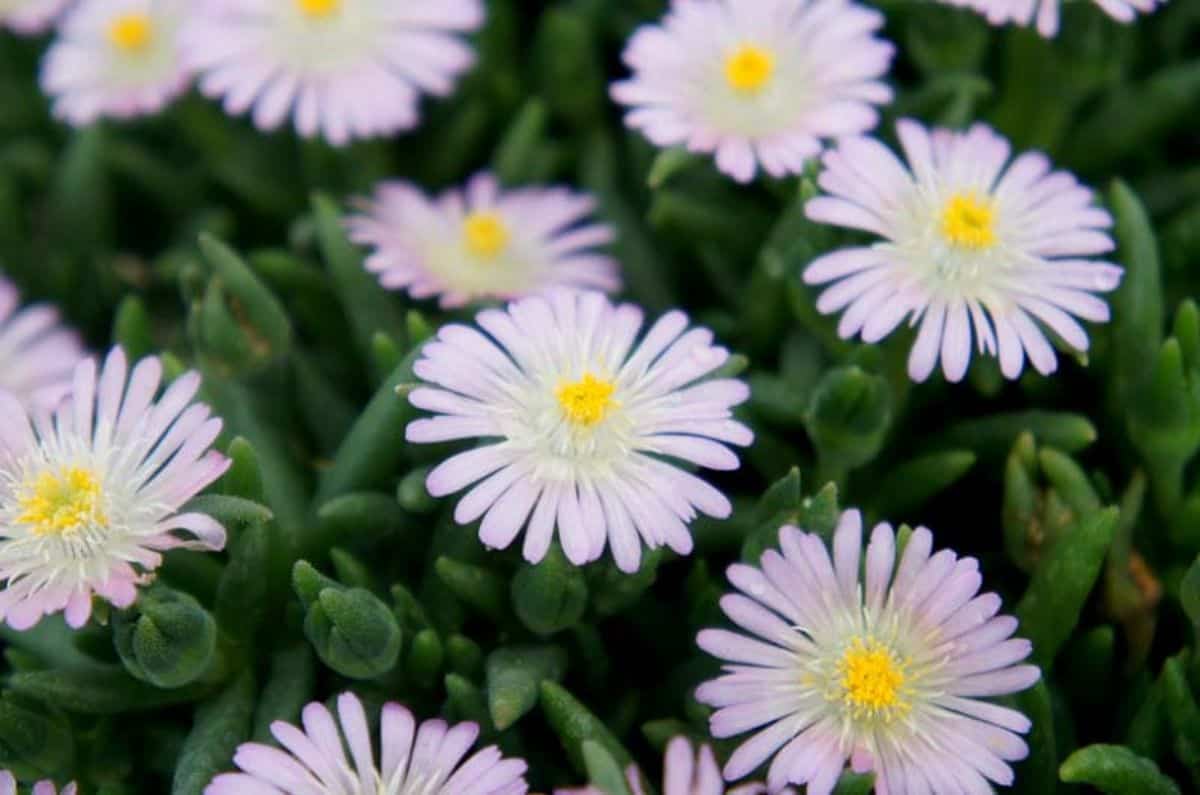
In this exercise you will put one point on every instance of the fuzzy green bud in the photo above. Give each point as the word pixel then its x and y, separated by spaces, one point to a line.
pixel 166 638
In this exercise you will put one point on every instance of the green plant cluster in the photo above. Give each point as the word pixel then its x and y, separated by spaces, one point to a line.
pixel 222 248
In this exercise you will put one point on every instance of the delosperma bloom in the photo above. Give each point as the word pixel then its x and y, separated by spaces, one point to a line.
pixel 758 84
pixel 89 496
pixel 885 669
pixel 37 354
pixel 686 771
pixel 1046 13
pixel 8 786
pixel 580 418
pixel 429 758
pixel 116 58
pixel 976 250
pixel 30 16
pixel 341 69
pixel 483 242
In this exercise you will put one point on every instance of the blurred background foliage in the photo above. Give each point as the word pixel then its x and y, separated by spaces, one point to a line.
pixel 195 235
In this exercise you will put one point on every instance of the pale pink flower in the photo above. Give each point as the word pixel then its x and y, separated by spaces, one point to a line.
pixel 483 242
pixel 886 670
pixel 414 759
pixel 686 771
pixel 89 495
pixel 341 69
pixel 30 16
pixel 580 419
pixel 758 84
pixel 37 353
pixel 8 786
pixel 117 59
pixel 1046 12
pixel 975 249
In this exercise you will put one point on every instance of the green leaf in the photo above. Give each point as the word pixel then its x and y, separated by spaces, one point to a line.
pixel 1054 600
pixel 232 512
pixel 911 484
pixel 514 676
pixel 549 596
pixel 101 690
pixel 1138 311
pixel 1116 770
pixel 993 436
pixel 603 772
pixel 478 587
pixel 220 726
pixel 290 684
pixel 1189 596
pixel 575 724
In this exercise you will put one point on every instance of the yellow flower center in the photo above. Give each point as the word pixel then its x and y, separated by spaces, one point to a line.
pixel 486 234
pixel 587 401
pixel 63 502
pixel 319 8
pixel 131 32
pixel 749 68
pixel 969 221
pixel 871 679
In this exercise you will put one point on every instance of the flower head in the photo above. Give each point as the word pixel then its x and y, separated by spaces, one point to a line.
pixel 37 354
pixel 30 16
pixel 116 58
pixel 483 242
pixel 1046 12
pixel 89 494
pixel 8 786
pixel 580 418
pixel 415 759
pixel 974 247
pixel 342 69
pixel 757 84
pixel 885 670
pixel 686 771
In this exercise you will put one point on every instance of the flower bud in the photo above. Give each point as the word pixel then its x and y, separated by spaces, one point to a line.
pixel 166 638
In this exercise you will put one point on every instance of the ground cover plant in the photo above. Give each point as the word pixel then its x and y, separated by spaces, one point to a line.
pixel 587 396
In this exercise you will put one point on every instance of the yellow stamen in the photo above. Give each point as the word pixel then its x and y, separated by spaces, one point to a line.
pixel 63 502
pixel 871 680
pixel 969 221
pixel 749 68
pixel 319 8
pixel 131 32
pixel 486 234
pixel 587 401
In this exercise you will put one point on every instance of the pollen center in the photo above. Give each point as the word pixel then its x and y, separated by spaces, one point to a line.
pixel 319 8
pixel 486 234
pixel 587 401
pixel 749 68
pixel 62 502
pixel 969 221
pixel 871 679
pixel 131 32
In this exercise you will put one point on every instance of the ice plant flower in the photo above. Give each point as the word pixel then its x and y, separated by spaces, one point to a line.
pixel 580 419
pixel 89 495
pixel 8 786
pixel 686 771
pixel 342 69
pixel 483 242
pixel 414 759
pixel 757 84
pixel 37 354
pixel 117 59
pixel 975 248
pixel 30 16
pixel 885 671
pixel 1046 12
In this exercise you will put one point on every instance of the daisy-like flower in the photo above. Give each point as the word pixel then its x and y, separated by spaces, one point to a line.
pixel 89 495
pixel 1046 12
pixel 117 59
pixel 686 771
pixel 758 84
pixel 37 354
pixel 483 242
pixel 8 786
pixel 580 419
pixel 30 16
pixel 975 248
pixel 415 759
pixel 887 672
pixel 343 69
